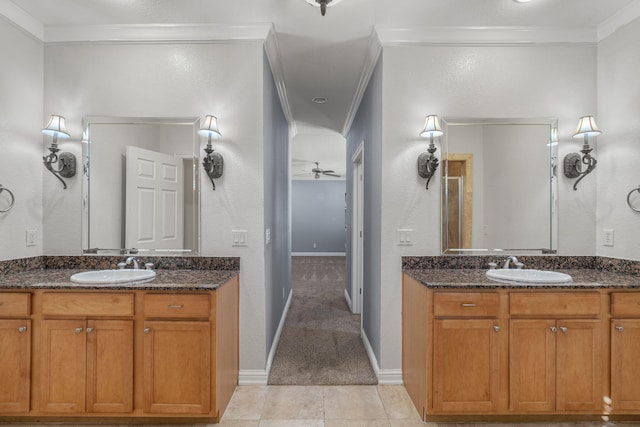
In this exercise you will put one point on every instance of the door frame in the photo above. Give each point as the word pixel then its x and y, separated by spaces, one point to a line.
pixel 357 226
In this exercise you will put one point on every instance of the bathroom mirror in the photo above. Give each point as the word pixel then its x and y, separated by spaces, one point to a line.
pixel 499 186
pixel 141 186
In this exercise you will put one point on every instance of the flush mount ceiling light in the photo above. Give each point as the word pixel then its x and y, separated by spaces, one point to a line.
pixel 323 4
pixel 319 99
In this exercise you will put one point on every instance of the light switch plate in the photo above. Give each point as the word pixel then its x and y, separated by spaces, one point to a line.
pixel 239 237
pixel 607 237
pixel 32 237
pixel 403 237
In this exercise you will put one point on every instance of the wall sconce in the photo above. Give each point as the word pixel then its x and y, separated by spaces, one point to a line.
pixel 212 162
pixel 66 161
pixel 427 161
pixel 572 169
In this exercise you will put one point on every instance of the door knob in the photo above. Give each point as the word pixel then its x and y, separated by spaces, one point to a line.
pixel 553 329
pixel 78 330
pixel 146 330
pixel 619 328
pixel 22 329
pixel 564 329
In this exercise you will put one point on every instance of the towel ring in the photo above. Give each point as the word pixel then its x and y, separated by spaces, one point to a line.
pixel 629 199
pixel 13 199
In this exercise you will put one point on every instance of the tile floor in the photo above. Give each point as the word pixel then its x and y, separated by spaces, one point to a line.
pixel 321 406
pixel 343 406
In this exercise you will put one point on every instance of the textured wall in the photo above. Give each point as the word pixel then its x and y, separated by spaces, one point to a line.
pixel 480 81
pixel 318 216
pixel 619 145
pixel 21 169
pixel 174 80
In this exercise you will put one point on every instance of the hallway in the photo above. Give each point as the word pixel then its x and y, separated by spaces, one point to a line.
pixel 320 342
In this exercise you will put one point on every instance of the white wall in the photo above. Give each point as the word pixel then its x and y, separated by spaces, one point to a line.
pixel 174 80
pixel 21 169
pixel 475 81
pixel 619 145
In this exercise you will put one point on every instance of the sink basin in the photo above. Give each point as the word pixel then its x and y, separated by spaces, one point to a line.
pixel 108 277
pixel 528 276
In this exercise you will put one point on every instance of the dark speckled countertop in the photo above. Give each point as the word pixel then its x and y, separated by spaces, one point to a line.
pixel 183 280
pixel 476 278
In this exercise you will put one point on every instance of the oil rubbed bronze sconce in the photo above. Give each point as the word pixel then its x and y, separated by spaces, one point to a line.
pixel 572 169
pixel 427 161
pixel 66 162
pixel 212 162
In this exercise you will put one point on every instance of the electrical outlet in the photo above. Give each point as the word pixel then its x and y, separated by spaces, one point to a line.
pixel 32 237
pixel 607 237
pixel 267 236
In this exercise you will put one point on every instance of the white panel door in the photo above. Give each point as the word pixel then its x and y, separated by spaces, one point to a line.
pixel 154 200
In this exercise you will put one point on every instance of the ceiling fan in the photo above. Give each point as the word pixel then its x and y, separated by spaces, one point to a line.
pixel 317 171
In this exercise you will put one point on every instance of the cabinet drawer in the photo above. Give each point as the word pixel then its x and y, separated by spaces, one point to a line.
pixel 567 304
pixel 15 304
pixel 466 304
pixel 87 304
pixel 177 305
pixel 625 304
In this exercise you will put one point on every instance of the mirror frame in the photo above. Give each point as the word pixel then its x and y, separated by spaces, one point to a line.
pixel 553 184
pixel 87 121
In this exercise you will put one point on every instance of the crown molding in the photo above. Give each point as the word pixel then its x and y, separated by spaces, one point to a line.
pixel 486 36
pixel 374 48
pixel 155 33
pixel 618 20
pixel 273 56
pixel 22 19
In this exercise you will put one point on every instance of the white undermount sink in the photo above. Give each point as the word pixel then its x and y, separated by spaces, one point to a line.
pixel 107 277
pixel 528 276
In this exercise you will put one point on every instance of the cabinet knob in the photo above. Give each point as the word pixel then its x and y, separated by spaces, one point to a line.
pixel 146 330
pixel 553 329
pixel 619 328
pixel 78 330
pixel 496 328
pixel 564 329
pixel 89 330
pixel 22 329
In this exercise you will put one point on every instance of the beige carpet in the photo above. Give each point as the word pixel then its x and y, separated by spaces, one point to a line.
pixel 320 342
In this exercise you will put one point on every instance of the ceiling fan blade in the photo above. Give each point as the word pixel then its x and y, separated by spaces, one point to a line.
pixel 332 174
pixel 328 171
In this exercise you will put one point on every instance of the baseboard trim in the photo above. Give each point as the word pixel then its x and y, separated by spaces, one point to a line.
pixel 348 299
pixel 318 254
pixel 385 376
pixel 253 377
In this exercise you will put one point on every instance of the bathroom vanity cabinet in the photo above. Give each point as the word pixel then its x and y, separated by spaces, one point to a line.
pixel 499 352
pixel 117 355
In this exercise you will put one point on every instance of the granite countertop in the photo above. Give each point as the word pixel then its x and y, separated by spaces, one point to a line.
pixel 188 280
pixel 476 278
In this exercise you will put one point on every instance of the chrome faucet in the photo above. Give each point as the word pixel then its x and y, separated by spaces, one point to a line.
pixel 515 261
pixel 134 260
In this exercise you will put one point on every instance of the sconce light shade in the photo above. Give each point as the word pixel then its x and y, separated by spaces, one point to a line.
pixel 56 127
pixel 210 127
pixel 427 161
pixel 431 127
pixel 66 161
pixel 587 127
pixel 573 162
pixel 213 163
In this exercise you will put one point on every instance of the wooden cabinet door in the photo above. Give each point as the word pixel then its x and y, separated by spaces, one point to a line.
pixel 466 365
pixel 580 365
pixel 110 366
pixel 625 373
pixel 63 366
pixel 15 365
pixel 177 367
pixel 414 342
pixel 532 365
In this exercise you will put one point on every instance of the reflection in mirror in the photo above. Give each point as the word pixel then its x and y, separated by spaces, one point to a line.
pixel 499 186
pixel 141 186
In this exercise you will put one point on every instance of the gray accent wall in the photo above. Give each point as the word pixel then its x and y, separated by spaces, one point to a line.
pixel 318 216
pixel 277 253
pixel 367 128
